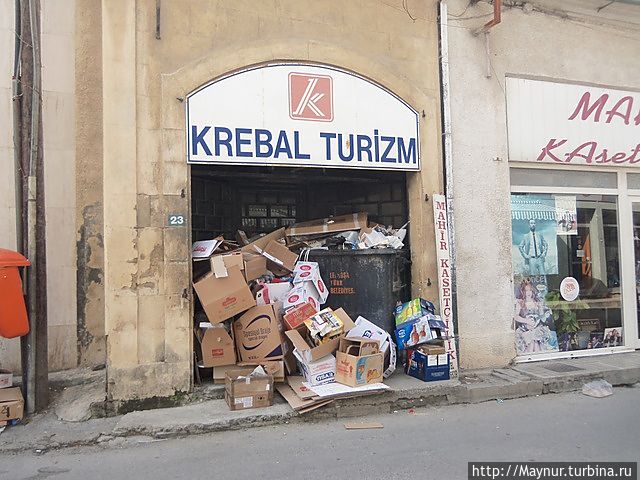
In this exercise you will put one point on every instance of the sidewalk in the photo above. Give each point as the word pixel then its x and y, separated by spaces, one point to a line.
pixel 209 412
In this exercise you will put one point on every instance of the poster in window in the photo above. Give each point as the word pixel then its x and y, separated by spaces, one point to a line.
pixel 566 215
pixel 533 319
pixel 534 250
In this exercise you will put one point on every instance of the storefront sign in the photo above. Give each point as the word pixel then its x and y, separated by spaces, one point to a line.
pixel 444 276
pixel 301 115
pixel 572 124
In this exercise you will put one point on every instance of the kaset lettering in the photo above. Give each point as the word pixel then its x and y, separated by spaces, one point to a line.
pixel 216 141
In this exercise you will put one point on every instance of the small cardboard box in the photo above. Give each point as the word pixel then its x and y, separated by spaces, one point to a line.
pixel 427 368
pixel 224 297
pixel 11 404
pixel 317 372
pixel 301 294
pixel 359 362
pixel 217 348
pixel 298 314
pixel 415 332
pixel 6 378
pixel 413 310
pixel 342 223
pixel 255 266
pixel 299 337
pixel 365 328
pixel 220 373
pixel 279 257
pixel 258 334
pixel 275 368
pixel 242 391
pixel 273 293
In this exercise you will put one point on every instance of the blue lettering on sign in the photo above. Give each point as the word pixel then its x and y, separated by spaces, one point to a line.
pixel 263 143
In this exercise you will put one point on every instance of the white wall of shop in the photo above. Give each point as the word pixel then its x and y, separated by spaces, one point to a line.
pixel 537 40
pixel 58 110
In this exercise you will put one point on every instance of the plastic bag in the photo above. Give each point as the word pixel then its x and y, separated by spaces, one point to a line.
pixel 597 388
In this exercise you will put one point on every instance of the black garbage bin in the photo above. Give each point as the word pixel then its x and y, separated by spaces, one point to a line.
pixel 366 282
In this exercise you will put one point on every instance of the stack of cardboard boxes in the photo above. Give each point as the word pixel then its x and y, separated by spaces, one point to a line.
pixel 263 309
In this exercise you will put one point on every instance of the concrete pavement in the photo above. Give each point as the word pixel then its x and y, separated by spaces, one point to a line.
pixel 209 413
pixel 429 443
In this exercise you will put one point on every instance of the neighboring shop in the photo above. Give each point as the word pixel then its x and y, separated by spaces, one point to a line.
pixel 547 238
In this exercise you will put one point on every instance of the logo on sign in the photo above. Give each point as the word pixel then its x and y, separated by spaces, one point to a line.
pixel 293 298
pixel 320 286
pixel 305 267
pixel 305 274
pixel 310 97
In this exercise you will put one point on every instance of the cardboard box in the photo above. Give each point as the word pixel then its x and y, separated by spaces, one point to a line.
pixel 359 362
pixel 220 373
pixel 275 368
pixel 217 347
pixel 11 404
pixel 225 297
pixel 413 310
pixel 298 314
pixel 342 223
pixel 6 378
pixel 427 368
pixel 299 337
pixel 204 249
pixel 279 258
pixel 242 391
pixel 301 294
pixel 255 266
pixel 272 293
pixel 365 328
pixel 309 274
pixel 324 326
pixel 317 372
pixel 415 332
pixel 258 334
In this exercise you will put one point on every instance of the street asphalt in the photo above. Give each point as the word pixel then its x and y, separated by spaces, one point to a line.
pixel 429 443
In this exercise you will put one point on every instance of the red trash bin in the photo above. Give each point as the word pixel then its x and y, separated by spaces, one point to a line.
pixel 13 314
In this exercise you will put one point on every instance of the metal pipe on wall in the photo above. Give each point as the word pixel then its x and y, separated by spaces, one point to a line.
pixel 17 117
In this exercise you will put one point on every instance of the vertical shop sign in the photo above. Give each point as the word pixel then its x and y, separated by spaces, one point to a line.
pixel 444 276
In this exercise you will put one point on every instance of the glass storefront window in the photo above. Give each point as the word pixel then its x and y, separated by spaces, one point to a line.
pixel 563 245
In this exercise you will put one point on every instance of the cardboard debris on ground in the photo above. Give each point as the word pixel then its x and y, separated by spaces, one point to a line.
pixel 334 390
pixel 362 425
pixel 298 404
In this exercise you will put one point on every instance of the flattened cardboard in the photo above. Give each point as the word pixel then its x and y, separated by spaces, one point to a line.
pixel 298 404
pixel 342 223
pixel 296 382
pixel 11 404
pixel 223 298
pixel 263 241
pixel 217 348
pixel 204 248
pixel 298 314
pixel 310 353
pixel 258 334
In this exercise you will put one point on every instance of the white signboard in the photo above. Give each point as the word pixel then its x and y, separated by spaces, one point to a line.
pixel 443 258
pixel 301 115
pixel 572 124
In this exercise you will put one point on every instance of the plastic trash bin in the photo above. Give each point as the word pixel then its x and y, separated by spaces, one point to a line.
pixel 13 314
pixel 366 282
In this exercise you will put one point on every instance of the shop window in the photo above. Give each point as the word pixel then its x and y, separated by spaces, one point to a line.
pixel 566 272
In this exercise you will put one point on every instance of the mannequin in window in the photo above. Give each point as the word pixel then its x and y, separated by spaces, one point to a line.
pixel 533 249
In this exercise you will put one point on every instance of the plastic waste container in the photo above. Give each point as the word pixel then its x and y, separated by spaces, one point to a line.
pixel 13 314
pixel 366 282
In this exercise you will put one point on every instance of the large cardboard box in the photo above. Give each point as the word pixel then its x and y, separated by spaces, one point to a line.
pixel 359 362
pixel 243 391
pixel 11 404
pixel 309 352
pixel 224 297
pixel 342 223
pixel 255 266
pixel 258 334
pixel 217 348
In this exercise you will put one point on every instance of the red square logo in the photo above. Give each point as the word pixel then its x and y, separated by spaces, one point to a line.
pixel 310 97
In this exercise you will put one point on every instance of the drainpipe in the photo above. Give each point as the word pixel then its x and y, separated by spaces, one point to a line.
pixel 32 198
pixel 447 149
